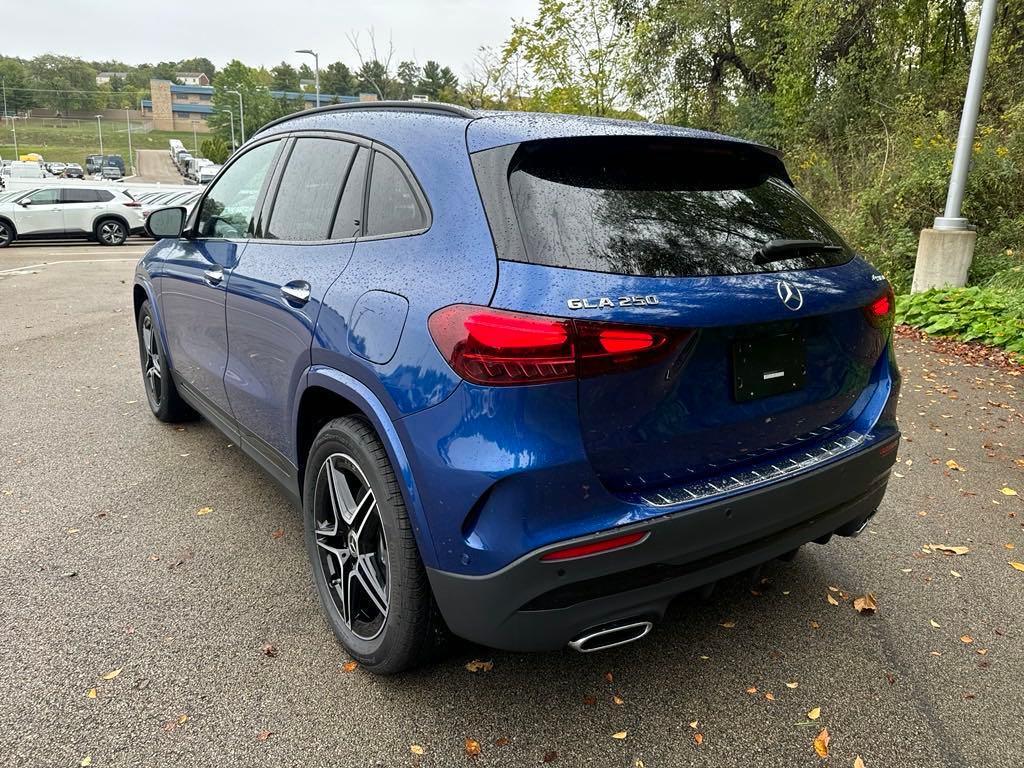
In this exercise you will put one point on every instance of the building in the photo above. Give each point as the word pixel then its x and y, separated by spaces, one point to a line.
pixel 192 78
pixel 105 77
pixel 173 107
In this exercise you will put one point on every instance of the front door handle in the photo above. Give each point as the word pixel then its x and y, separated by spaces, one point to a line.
pixel 296 292
pixel 213 277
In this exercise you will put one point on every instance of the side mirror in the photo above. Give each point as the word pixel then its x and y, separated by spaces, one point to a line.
pixel 166 222
pixel 25 203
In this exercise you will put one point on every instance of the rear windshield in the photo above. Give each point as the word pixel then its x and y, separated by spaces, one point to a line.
pixel 663 207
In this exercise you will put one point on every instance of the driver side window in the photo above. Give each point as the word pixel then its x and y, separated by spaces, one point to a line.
pixel 228 206
pixel 44 197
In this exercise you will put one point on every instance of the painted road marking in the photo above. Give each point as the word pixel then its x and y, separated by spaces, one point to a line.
pixel 15 270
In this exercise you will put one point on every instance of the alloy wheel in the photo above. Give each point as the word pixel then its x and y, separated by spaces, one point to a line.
pixel 151 362
pixel 111 233
pixel 352 545
pixel 5 234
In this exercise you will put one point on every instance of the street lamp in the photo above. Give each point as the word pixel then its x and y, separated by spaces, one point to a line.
pixel 99 127
pixel 232 116
pixel 131 155
pixel 241 112
pixel 316 64
pixel 195 141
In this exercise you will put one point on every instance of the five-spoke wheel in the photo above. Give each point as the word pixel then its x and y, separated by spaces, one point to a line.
pixel 151 362
pixel 111 232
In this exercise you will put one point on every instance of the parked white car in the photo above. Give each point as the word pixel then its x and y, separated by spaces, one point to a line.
pixel 48 213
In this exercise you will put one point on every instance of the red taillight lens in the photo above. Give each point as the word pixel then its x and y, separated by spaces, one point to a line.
pixel 499 348
pixel 880 307
pixel 593 548
pixel 132 204
pixel 880 311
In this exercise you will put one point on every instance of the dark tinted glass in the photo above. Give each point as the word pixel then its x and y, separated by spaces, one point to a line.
pixel 72 195
pixel 229 204
pixel 307 196
pixel 350 209
pixel 392 206
pixel 660 208
pixel 104 196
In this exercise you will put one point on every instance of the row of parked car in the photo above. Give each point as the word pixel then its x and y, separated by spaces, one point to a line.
pixel 199 170
pixel 107 215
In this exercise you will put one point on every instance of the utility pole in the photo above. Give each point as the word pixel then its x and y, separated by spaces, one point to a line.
pixel 231 114
pixel 944 252
pixel 241 112
pixel 195 141
pixel 316 70
pixel 99 127
pixel 131 155
pixel 5 98
pixel 14 127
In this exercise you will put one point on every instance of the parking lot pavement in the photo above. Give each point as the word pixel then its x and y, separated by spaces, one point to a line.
pixel 109 568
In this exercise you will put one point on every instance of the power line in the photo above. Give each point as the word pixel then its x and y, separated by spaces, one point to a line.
pixel 71 90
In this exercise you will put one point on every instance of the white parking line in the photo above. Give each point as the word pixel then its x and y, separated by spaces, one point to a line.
pixel 67 261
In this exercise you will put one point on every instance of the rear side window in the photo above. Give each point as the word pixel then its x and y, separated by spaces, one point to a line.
pixel 310 188
pixel 392 207
pixel 350 210
pixel 661 207
pixel 104 196
pixel 72 195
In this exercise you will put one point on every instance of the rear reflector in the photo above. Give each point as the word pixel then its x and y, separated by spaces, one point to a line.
pixel 595 547
pixel 501 348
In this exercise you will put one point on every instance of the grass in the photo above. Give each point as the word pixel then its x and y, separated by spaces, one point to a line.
pixel 72 141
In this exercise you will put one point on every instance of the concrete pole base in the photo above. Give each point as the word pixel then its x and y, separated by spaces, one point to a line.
pixel 943 258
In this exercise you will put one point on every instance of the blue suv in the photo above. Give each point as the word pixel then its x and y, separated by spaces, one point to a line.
pixel 528 376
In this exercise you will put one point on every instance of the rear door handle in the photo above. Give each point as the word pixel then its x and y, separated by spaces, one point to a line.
pixel 213 277
pixel 296 292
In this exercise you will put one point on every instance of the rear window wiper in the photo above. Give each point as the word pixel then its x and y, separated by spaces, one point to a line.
pixel 777 250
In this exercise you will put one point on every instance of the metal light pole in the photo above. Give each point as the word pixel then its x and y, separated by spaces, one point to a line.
pixel 241 112
pixel 131 155
pixel 5 98
pixel 195 141
pixel 99 127
pixel 316 64
pixel 952 217
pixel 945 252
pixel 14 127
pixel 232 116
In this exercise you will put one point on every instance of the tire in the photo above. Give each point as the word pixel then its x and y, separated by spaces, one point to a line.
pixel 161 394
pixel 384 559
pixel 111 232
pixel 7 233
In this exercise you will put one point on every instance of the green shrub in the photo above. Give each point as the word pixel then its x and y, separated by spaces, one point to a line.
pixel 993 316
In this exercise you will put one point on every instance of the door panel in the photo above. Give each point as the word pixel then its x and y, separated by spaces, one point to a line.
pixel 196 273
pixel 275 292
pixel 45 214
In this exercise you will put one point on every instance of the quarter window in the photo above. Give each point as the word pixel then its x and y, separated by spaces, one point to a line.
pixel 392 207
pixel 350 209
pixel 80 195
pixel 228 206
pixel 310 187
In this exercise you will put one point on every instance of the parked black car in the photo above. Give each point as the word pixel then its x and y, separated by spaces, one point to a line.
pixel 74 171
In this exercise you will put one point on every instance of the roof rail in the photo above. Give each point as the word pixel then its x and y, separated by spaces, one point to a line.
pixel 435 107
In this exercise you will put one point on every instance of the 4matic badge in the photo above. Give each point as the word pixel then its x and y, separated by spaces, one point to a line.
pixel 605 302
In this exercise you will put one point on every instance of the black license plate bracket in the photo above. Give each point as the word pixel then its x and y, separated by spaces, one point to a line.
pixel 768 365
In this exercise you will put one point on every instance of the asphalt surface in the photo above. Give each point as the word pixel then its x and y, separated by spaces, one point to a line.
pixel 108 567
pixel 156 165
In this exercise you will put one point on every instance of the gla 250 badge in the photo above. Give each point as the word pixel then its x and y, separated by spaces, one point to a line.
pixel 604 302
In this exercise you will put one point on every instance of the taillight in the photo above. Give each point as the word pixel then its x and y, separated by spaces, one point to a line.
pixel 595 547
pixel 500 348
pixel 132 204
pixel 880 311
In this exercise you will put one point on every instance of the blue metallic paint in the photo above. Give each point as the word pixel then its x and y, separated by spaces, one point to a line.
pixel 376 326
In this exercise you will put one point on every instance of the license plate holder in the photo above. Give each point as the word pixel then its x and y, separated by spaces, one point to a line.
pixel 768 365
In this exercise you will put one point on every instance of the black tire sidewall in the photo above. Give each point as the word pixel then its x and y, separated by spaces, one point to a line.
pixel 161 411
pixel 386 652
pixel 10 234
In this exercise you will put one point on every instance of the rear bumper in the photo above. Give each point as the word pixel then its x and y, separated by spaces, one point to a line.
pixel 532 605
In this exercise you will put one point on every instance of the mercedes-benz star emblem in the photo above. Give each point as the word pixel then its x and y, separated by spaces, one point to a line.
pixel 790 295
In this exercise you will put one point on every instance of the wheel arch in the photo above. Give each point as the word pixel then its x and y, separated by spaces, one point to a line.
pixel 116 217
pixel 9 222
pixel 327 394
pixel 142 290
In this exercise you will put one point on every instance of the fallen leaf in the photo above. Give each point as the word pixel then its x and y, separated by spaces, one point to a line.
pixel 831 600
pixel 268 650
pixel 416 749
pixel 793 684
pixel 620 735
pixel 1007 491
pixel 751 690
pixel 92 693
pixel 815 625
pixel 698 739
pixel 769 696
pixel 472 747
pixel 590 700
pixel 182 719
pixel 814 714
pixel 277 534
pixel 1009 546
pixel 204 511
pixel 349 666
pixel 953 465
pixel 982 651
pixel 934 623
pixel 608 677
pixel 264 735
pixel 948 550
pixel 694 725
pixel 501 741
pixel 728 624
pixel 956 575
pixel 821 743
pixel 112 674
pixel 87 760
pixel 966 639
pixel 858 763
pixel 1018 566
pixel 865 604
pixel 549 757
pixel 480 666
pixel 618 700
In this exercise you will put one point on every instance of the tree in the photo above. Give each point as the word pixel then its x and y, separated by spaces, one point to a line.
pixel 285 78
pixel 495 81
pixel 65 83
pixel 374 74
pixel 198 64
pixel 15 76
pixel 579 56
pixel 438 82
pixel 337 79
pixel 215 149
pixel 408 79
pixel 254 85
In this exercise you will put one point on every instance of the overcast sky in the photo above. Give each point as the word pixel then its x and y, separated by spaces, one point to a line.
pixel 259 31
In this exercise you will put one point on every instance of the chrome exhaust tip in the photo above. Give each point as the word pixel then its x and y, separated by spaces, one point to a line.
pixel 609 636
